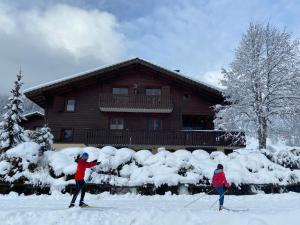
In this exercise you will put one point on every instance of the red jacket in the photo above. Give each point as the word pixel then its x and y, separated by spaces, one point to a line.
pixel 219 179
pixel 81 167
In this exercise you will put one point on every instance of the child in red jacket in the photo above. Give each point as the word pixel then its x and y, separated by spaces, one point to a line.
pixel 82 164
pixel 219 181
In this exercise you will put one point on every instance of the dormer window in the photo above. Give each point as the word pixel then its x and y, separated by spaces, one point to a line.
pixel 70 105
pixel 186 96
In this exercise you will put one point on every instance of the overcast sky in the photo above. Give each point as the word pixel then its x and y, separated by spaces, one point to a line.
pixel 52 39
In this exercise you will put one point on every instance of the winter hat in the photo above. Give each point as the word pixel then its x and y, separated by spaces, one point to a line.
pixel 84 155
pixel 220 167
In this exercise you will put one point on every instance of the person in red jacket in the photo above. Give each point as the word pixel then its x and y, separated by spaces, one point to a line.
pixel 219 182
pixel 82 164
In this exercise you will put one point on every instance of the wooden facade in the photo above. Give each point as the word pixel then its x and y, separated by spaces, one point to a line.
pixel 135 104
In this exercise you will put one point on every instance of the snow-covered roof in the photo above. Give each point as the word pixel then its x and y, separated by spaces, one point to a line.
pixel 34 93
pixel 33 114
pixel 70 77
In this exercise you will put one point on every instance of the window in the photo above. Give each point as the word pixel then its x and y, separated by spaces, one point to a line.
pixel 117 123
pixel 70 105
pixel 67 134
pixel 120 91
pixel 153 91
pixel 154 124
pixel 186 96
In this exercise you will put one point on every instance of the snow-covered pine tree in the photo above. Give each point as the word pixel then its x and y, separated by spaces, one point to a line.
pixel 43 137
pixel 11 133
pixel 262 84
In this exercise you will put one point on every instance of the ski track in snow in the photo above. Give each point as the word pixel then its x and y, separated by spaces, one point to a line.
pixel 129 209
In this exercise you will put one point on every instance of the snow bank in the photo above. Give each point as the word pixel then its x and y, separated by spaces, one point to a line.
pixel 125 167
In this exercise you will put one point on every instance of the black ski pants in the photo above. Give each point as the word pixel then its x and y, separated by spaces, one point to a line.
pixel 80 187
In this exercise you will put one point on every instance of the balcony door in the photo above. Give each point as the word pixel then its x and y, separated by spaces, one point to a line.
pixel 154 124
pixel 197 122
pixel 116 123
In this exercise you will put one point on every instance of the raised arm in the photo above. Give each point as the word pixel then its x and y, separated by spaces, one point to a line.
pixel 89 164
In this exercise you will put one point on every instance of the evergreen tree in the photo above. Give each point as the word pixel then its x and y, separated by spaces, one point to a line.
pixel 11 134
pixel 43 137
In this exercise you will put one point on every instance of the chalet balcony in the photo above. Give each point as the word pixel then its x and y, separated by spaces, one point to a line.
pixel 207 139
pixel 135 103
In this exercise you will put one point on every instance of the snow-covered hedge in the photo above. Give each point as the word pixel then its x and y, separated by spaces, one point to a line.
pixel 289 158
pixel 125 167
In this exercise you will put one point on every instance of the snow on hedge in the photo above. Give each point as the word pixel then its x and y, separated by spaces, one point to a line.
pixel 125 167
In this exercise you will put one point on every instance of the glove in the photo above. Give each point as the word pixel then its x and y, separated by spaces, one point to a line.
pixel 95 161
pixel 77 158
pixel 98 163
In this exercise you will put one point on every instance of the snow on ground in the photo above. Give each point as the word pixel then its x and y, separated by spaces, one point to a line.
pixel 130 209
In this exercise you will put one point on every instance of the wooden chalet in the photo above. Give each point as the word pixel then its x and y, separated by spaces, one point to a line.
pixel 133 104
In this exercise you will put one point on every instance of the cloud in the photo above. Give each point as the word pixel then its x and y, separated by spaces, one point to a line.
pixel 55 41
pixel 80 32
pixel 213 77
pixel 6 22
pixel 51 40
pixel 200 36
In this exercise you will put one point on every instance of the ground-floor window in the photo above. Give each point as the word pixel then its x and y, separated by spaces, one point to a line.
pixel 67 134
pixel 154 124
pixel 117 123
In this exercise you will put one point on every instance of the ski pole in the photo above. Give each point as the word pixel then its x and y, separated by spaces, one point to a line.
pixel 197 199
pixel 218 200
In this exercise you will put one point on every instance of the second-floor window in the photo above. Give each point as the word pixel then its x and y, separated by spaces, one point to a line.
pixel 116 123
pixel 70 105
pixel 120 91
pixel 153 91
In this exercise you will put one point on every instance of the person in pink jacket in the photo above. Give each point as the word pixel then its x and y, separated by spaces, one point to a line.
pixel 219 182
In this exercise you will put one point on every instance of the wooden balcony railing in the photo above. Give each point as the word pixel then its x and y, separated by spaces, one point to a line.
pixel 205 139
pixel 135 103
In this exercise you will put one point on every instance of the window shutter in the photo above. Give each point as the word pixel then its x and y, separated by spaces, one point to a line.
pixel 59 104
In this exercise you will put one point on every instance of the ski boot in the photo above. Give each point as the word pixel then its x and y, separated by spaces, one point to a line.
pixel 83 205
pixel 220 207
pixel 71 205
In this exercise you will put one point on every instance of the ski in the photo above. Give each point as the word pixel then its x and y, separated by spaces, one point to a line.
pixel 235 210
pixel 91 207
pixel 96 207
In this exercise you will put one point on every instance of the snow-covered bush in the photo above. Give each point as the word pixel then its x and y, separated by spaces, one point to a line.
pixel 20 162
pixel 286 158
pixel 125 167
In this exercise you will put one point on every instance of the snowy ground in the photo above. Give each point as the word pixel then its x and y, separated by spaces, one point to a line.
pixel 129 209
